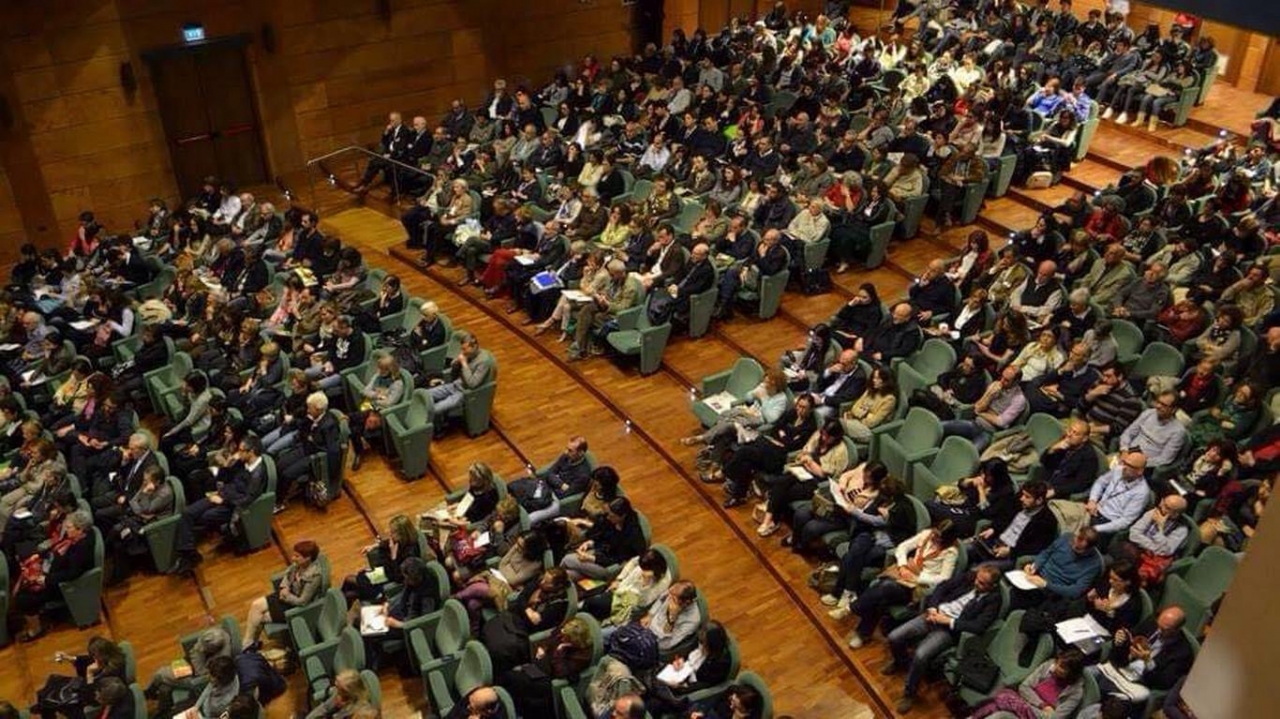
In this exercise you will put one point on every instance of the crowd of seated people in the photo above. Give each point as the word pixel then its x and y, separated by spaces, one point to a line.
pixel 789 131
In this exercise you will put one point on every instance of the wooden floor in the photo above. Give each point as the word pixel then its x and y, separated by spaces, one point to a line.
pixel 754 586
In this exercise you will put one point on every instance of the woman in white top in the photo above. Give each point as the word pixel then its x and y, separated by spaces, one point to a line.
pixel 920 564
pixel 764 405
pixel 1040 357
pixel 642 580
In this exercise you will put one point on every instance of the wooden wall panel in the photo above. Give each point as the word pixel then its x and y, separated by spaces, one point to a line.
pixel 336 69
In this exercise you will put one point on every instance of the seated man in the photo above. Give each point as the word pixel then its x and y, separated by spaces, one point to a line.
pixel 1151 657
pixel 621 292
pixel 697 276
pixel 956 172
pixel 998 408
pixel 808 226
pixel 969 602
pixel 1118 496
pixel 1039 296
pixel 1029 531
pixel 1059 391
pixel 471 369
pixel 540 492
pixel 1063 570
pixel 842 382
pixel 897 336
pixel 664 261
pixel 238 486
pixel 1144 297
pixel 767 259
pixel 1070 464
pixel 1110 405
pixel 932 293
pixel 1157 433
pixel 1154 540
pixel 674 617
pixel 482 702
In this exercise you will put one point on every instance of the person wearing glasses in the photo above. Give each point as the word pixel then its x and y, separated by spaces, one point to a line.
pixel 1157 433
pixel 1118 497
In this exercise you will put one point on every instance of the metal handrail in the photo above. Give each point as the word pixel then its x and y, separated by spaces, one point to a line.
pixel 395 177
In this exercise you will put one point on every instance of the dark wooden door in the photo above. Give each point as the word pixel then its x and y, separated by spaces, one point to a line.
pixel 210 119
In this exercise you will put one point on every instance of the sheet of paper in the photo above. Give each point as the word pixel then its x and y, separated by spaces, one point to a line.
pixel 720 402
pixel 83 325
pixel 1018 578
pixel 525 259
pixel 372 620
pixel 799 473
pixel 464 505
pixel 1080 629
pixel 483 540
pixel 11 346
pixel 575 296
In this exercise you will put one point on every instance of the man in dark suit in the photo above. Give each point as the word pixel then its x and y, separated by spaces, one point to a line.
pixel 120 479
pixel 418 147
pixel 319 434
pixel 1071 464
pixel 897 336
pixel 966 603
pixel 238 486
pixel 1026 532
pixel 1162 648
pixel 842 382
pixel 932 293
pixel 611 183
pixel 480 703
pixel 395 137
pixel 697 276
pixel 131 267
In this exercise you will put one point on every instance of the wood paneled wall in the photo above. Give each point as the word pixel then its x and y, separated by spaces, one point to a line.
pixel 335 69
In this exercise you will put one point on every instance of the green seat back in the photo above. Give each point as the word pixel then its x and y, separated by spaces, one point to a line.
pixel 474 669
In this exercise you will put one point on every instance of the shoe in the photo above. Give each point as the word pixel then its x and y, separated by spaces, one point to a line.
pixel 355 461
pixel 757 512
pixel 842 268
pixel 766 530
pixel 1123 119
pixel 855 640
pixel 596 350
pixel 465 281
pixel 540 329
pixel 279 508
pixel 905 704
pixel 1108 114
pixel 839 613
pixel 731 502
pixel 512 308
pixel 829 600
pixel 690 441
pixel 789 540
pixel 712 477
pixel 28 637
pixel 1138 120
pixel 1152 123
pixel 564 337
pixel 890 669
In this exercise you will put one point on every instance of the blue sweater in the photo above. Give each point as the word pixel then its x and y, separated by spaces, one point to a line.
pixel 1066 573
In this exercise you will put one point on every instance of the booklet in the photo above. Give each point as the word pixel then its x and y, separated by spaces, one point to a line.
pixel 372 620
pixel 720 402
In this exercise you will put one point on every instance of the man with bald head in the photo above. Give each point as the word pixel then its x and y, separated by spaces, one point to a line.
pixel 481 703
pixel 933 293
pixel 395 138
pixel 1156 537
pixel 119 478
pixel 1070 464
pixel 1040 295
pixel 897 336
pixel 1144 297
pixel 1117 497
pixel 1152 657
pixel 621 292
pixel 842 382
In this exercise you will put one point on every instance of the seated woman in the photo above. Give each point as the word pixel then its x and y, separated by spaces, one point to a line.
pixel 1051 148
pixel 562 656
pixel 1233 420
pixel 259 393
pixel 856 487
pixel 1113 600
pixel 197 420
pixel 212 643
pixel 538 607
pixel 1235 516
pixel 385 391
pixel 873 408
pixel 216 697
pixel 1040 357
pixel 993 349
pixel 823 456
pixel 416 598
pixel 989 495
pixel 612 541
pixel 973 262
pixel 198 464
pixel 1053 689
pixel 765 453
pixel 593 281
pixel 741 701
pixel 1198 389
pixel 283 424
pixel 349 700
pixel 705 666
pixel 920 564
pixel 1221 341
pixel 39 574
pixel 642 580
pixel 1210 473
pixel 152 354
pixel 22 480
pixel 858 317
pixel 522 563
pixel 102 660
pixel 968 321
pixel 125 542
pixel 466 555
pixel 765 405
pixel 851 240
pixel 802 365
pixel 601 491
pixel 882 524
pixel 298 587
pixel 475 505
pixel 384 558
pixel 70 397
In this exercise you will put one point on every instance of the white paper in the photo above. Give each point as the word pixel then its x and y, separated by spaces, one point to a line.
pixel 1080 629
pixel 495 572
pixel 575 295
pixel 687 671
pixel 464 505
pixel 720 402
pixel 525 259
pixel 23 513
pixel 11 346
pixel 372 620
pixel 83 325
pixel 483 540
pixel 1018 578
pixel 799 473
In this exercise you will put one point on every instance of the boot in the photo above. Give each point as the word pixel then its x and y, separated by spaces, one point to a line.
pixel 1152 123
pixel 1139 119
pixel 1108 114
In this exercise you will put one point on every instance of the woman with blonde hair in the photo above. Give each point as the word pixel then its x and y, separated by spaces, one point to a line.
pixel 350 699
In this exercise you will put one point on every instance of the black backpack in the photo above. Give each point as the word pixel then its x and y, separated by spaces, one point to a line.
pixel 816 281
pixel 635 646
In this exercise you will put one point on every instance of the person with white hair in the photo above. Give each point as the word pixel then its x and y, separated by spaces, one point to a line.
pixel 318 434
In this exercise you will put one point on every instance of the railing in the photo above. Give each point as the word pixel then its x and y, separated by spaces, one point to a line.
pixel 320 165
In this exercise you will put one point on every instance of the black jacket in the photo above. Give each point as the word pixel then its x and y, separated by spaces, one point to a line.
pixel 848 392
pixel 244 486
pixel 1069 471
pixel 978 615
pixel 1172 662
pixel 1038 534
pixel 894 340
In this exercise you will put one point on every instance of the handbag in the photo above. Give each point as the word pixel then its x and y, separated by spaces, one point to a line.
pixel 978 672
